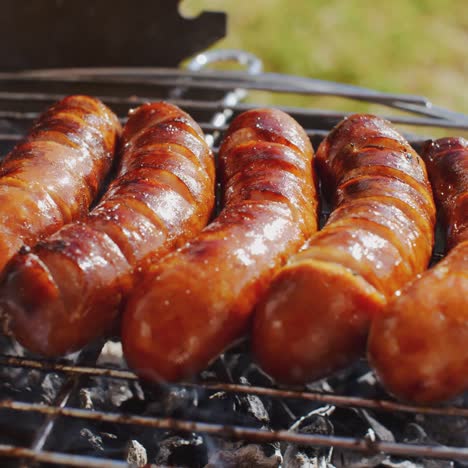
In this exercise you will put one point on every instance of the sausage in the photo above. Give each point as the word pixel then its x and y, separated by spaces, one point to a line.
pixel 315 317
pixel 418 346
pixel 68 289
pixel 199 299
pixel 56 172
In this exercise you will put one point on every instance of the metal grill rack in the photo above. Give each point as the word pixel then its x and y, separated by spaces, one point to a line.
pixel 212 98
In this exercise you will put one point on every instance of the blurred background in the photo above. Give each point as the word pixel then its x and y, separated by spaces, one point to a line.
pixel 400 46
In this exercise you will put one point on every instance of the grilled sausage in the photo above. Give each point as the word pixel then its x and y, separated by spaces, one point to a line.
pixel 419 345
pixel 200 298
pixel 316 315
pixel 68 290
pixel 53 175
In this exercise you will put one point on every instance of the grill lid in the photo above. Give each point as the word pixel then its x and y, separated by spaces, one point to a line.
pixel 87 33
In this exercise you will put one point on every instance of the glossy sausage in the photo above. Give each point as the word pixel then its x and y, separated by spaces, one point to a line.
pixel 68 289
pixel 200 298
pixel 419 346
pixel 316 315
pixel 55 173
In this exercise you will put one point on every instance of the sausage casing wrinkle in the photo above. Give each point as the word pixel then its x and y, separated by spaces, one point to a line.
pixel 418 347
pixel 200 298
pixel 68 289
pixel 316 315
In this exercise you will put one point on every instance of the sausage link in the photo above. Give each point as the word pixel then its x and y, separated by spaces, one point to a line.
pixel 200 298
pixel 52 176
pixel 316 315
pixel 68 289
pixel 418 346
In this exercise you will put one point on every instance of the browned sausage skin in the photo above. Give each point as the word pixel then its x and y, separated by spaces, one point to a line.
pixel 200 298
pixel 53 176
pixel 418 347
pixel 68 289
pixel 316 315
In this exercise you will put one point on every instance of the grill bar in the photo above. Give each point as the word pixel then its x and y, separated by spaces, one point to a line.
pixel 209 80
pixel 245 433
pixel 332 399
pixel 70 385
pixel 213 98
pixel 58 458
pixel 333 117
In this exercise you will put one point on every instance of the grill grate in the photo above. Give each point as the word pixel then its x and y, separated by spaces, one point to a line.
pixel 213 99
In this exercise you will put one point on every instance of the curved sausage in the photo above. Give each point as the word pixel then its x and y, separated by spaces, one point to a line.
pixel 315 317
pixel 52 176
pixel 68 289
pixel 418 347
pixel 200 298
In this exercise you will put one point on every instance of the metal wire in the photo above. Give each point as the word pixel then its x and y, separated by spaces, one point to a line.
pixel 332 399
pixel 32 90
pixel 245 433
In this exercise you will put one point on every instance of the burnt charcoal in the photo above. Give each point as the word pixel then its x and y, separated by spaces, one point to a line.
pixel 243 457
pixel 415 434
pixel 134 406
pixel 281 414
pixel 69 435
pixel 217 371
pixel 381 432
pixel 170 401
pixel 50 387
pixel 348 422
pixel 256 376
pixel 188 450
pixel 94 440
pixel 228 366
pixel 316 422
pixel 445 430
pixel 357 380
pixel 298 408
pixel 404 464
pixel 107 394
pixel 16 382
pixel 253 405
pixel 111 354
pixel 293 458
pixel 86 401
pixel 297 455
pixel 185 403
pixel 300 456
pixel 136 454
pixel 224 408
pixel 95 397
pixel 18 430
pixel 342 459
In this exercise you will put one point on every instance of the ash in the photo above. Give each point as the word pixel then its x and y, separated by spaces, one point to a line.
pixel 142 446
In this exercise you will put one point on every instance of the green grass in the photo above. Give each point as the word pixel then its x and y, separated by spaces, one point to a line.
pixel 401 46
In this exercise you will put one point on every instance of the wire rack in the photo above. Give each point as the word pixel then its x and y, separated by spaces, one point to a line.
pixel 213 98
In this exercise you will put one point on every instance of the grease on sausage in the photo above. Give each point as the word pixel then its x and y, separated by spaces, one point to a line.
pixel 52 176
pixel 68 289
pixel 316 315
pixel 418 347
pixel 200 298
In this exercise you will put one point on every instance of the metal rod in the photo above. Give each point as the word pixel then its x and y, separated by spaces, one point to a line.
pixel 59 458
pixel 226 81
pixel 245 433
pixel 215 107
pixel 338 400
pixel 70 384
pixel 210 79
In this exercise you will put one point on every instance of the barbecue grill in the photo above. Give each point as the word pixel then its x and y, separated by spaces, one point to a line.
pixel 90 410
